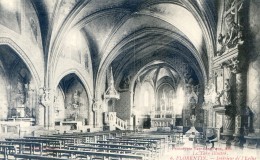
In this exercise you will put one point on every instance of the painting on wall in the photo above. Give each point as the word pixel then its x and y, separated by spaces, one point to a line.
pixel 10 14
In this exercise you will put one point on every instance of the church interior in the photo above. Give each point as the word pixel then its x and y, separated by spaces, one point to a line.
pixel 130 79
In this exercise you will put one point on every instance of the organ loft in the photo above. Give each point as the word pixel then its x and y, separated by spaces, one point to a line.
pixel 128 79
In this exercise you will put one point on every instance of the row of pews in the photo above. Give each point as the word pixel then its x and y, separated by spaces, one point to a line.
pixel 113 145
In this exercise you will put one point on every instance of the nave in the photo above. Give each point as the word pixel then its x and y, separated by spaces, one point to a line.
pixel 127 72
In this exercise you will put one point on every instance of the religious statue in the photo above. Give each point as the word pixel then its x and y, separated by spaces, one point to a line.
pixel 192 120
pixel 44 95
pixel 217 100
pixel 233 29
pixel 21 92
pixel 126 82
pixel 27 112
pixel 75 99
pixel 95 106
pixel 227 93
pixel 234 35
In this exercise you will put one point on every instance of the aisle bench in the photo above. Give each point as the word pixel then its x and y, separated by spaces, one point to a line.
pixel 36 157
pixel 77 153
pixel 23 144
pixel 7 150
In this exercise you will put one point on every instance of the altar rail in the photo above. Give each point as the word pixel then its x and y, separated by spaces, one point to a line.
pixel 161 122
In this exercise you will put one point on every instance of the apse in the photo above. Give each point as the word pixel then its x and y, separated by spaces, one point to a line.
pixel 165 101
pixel 18 95
pixel 71 100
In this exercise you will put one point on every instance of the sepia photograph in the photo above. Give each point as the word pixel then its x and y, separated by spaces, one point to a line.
pixel 130 79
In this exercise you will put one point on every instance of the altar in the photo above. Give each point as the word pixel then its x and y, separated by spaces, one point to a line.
pixel 25 121
pixel 16 125
pixel 62 126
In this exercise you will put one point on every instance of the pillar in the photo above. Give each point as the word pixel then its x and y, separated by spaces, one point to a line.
pixel 40 115
pixel 50 109
pixel 228 104
pixel 240 101
pixel 97 108
pixel 91 117
pixel 253 103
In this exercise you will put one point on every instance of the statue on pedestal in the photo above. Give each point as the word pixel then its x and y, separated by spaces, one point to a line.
pixel 192 120
pixel 227 93
pixel 75 99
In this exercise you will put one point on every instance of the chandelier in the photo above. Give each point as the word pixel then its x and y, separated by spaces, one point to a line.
pixel 111 92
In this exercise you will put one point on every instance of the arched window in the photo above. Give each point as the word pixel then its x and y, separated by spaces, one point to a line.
pixel 165 96
pixel 146 98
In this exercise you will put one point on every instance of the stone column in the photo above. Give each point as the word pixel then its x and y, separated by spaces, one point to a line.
pixel 97 108
pixel 50 105
pixel 228 104
pixel 240 107
pixel 46 108
pixel 40 110
pixel 91 116
pixel 40 115
pixel 253 103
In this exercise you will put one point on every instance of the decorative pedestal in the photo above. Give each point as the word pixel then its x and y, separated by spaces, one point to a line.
pixel 228 131
pixel 226 138
pixel 252 141
pixel 192 131
pixel 228 126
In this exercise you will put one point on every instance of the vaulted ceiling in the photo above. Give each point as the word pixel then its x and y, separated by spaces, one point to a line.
pixel 128 34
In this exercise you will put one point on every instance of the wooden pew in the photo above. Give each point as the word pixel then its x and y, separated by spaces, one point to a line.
pixel 91 154
pixel 5 150
pixel 77 139
pixel 125 142
pixel 43 142
pixel 133 140
pixel 116 145
pixel 37 157
pixel 118 150
pixel 157 149
pixel 64 141
pixel 22 144
pixel 147 154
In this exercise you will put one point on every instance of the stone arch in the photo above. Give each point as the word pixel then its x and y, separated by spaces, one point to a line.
pixel 81 108
pixel 105 62
pixel 22 54
pixel 80 76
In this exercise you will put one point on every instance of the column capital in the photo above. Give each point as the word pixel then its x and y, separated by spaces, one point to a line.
pixel 96 106
pixel 232 64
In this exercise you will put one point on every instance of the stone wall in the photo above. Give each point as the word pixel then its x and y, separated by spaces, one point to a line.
pixel 122 106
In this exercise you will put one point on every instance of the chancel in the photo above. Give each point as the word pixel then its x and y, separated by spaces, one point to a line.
pixel 129 79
